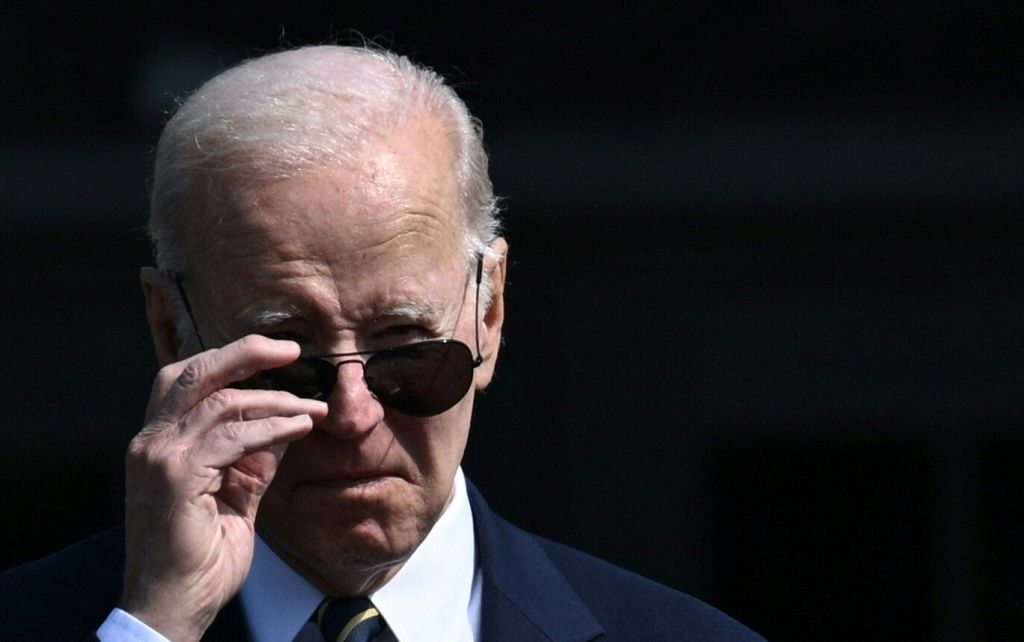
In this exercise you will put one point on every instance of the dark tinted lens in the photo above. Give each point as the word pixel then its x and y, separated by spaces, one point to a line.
pixel 307 377
pixel 421 379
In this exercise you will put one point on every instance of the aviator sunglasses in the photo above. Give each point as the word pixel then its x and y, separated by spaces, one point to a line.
pixel 420 379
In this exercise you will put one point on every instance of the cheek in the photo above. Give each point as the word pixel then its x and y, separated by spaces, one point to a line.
pixel 435 446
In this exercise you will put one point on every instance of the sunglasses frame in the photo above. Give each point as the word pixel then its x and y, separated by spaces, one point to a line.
pixel 369 354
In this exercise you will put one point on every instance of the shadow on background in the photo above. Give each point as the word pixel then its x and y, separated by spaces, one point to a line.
pixel 764 305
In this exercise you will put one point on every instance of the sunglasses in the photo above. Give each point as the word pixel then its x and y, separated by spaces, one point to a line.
pixel 420 379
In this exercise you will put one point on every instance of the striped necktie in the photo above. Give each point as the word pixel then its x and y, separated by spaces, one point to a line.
pixel 349 620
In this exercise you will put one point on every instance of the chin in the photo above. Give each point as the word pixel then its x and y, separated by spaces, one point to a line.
pixel 336 536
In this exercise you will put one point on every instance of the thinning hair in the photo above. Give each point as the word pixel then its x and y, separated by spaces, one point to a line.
pixel 272 117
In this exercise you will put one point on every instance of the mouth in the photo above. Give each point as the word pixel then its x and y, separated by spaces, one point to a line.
pixel 355 481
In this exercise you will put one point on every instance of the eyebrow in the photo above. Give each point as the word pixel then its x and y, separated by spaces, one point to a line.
pixel 256 317
pixel 427 312
pixel 420 311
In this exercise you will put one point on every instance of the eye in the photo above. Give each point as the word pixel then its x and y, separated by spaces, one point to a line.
pixel 402 330
pixel 403 333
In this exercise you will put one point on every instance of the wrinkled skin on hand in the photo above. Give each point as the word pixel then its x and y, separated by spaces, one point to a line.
pixel 194 478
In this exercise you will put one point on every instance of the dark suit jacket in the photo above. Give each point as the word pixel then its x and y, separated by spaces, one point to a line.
pixel 533 589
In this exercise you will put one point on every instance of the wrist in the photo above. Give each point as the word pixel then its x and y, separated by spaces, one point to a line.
pixel 170 620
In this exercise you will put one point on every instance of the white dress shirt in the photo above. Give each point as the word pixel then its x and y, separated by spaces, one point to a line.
pixel 434 596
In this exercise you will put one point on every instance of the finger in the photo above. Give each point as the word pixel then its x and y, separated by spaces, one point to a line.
pixel 230 442
pixel 245 483
pixel 162 383
pixel 215 369
pixel 228 404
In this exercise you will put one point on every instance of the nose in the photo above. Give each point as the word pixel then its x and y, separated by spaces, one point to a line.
pixel 353 410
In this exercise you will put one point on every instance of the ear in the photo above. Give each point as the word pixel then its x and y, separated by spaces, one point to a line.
pixel 495 262
pixel 161 312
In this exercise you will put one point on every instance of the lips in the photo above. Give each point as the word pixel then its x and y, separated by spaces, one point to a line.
pixel 353 479
pixel 322 462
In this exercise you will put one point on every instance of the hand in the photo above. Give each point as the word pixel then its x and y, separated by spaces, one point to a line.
pixel 194 478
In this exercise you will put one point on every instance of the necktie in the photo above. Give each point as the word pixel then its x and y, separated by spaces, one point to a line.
pixel 349 620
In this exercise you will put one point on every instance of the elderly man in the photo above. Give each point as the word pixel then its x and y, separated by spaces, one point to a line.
pixel 326 302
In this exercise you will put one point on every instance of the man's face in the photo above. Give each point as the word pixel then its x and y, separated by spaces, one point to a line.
pixel 341 260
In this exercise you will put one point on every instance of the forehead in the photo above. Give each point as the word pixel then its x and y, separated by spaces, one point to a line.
pixel 387 225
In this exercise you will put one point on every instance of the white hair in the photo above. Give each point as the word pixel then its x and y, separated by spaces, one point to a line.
pixel 271 117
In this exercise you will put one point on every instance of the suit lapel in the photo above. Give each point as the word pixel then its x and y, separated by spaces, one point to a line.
pixel 525 597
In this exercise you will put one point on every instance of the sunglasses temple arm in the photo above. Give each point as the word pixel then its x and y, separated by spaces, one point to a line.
pixel 476 308
pixel 188 307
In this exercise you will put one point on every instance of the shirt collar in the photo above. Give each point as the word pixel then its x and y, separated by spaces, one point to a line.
pixel 413 603
pixel 277 601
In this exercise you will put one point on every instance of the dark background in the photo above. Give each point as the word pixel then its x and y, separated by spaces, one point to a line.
pixel 765 300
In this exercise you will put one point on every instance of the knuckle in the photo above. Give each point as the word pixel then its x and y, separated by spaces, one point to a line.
pixel 267 424
pixel 220 401
pixel 232 431
pixel 149 460
pixel 135 453
pixel 166 376
pixel 193 373
pixel 143 442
